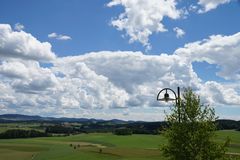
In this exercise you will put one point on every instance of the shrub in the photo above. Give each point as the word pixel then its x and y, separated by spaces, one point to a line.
pixel 123 131
pixel 191 138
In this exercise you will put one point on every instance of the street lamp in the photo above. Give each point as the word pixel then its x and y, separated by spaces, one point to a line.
pixel 166 98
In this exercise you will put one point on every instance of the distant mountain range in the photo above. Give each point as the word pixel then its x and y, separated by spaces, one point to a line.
pixel 20 117
pixel 25 118
pixel 97 125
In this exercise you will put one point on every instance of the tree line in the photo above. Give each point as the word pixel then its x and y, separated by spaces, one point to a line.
pixel 101 127
pixel 19 133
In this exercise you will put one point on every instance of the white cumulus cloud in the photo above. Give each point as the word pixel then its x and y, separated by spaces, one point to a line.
pixel 219 94
pixel 210 4
pixel 218 49
pixel 141 18
pixel 14 44
pixel 19 27
pixel 59 36
pixel 179 32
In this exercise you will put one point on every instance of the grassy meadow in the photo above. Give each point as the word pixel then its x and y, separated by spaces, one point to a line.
pixel 96 146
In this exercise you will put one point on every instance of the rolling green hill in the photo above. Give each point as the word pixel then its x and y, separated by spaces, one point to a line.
pixel 88 146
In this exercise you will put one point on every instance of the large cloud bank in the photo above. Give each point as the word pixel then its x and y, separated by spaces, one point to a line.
pixel 100 81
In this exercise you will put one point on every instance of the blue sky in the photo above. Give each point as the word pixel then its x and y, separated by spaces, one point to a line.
pixel 88 23
pixel 130 70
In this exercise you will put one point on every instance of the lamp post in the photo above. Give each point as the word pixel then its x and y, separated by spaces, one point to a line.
pixel 166 98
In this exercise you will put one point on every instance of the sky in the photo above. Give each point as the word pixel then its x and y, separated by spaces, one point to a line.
pixel 108 59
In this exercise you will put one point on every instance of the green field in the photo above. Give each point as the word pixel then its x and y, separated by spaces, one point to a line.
pixel 134 147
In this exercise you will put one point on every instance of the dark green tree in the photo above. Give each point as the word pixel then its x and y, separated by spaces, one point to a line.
pixel 191 138
pixel 123 131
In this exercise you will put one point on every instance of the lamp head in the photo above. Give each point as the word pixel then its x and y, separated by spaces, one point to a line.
pixel 166 97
